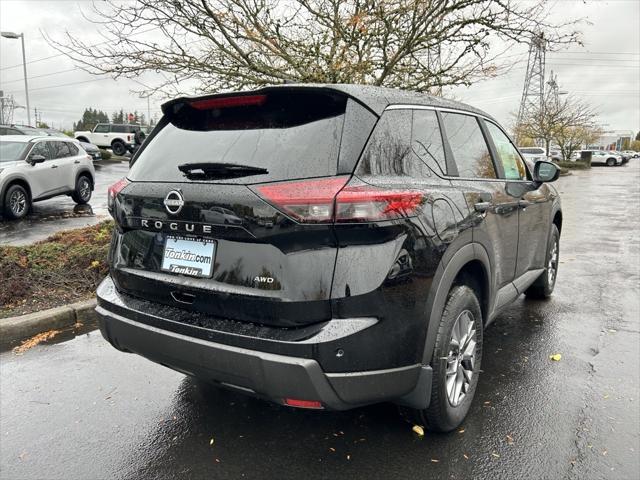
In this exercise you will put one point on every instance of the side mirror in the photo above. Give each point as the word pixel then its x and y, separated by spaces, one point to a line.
pixel 33 159
pixel 545 172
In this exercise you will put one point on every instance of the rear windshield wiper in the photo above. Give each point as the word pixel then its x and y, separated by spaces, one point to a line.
pixel 212 170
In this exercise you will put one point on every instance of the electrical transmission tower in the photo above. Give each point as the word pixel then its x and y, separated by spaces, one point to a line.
pixel 7 106
pixel 533 92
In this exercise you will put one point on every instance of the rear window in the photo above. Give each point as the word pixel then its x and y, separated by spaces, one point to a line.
pixel 12 151
pixel 291 134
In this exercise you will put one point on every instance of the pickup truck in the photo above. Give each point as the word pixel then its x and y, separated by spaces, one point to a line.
pixel 117 137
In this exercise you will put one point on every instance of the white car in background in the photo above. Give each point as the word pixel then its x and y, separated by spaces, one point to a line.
pixel 34 168
pixel 118 137
pixel 533 153
pixel 601 157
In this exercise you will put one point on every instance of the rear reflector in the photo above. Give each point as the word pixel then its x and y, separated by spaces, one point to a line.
pixel 225 102
pixel 330 199
pixel 114 190
pixel 294 402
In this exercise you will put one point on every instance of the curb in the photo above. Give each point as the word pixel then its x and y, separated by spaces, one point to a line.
pixel 25 326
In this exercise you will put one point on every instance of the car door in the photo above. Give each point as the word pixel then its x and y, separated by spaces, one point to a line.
pixel 44 179
pixel 66 155
pixel 494 211
pixel 534 214
pixel 100 135
pixel 598 157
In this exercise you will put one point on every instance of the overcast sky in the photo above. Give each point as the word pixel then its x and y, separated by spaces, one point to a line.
pixel 605 72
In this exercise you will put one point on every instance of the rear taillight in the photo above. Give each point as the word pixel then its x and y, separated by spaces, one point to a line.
pixel 368 203
pixel 309 201
pixel 114 190
pixel 329 199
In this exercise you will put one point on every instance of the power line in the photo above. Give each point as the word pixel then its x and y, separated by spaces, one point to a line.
pixel 64 54
pixel 43 75
pixel 68 84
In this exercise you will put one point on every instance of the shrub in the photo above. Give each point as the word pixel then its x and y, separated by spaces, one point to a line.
pixel 106 154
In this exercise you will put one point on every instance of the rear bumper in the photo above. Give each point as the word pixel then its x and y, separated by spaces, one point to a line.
pixel 264 374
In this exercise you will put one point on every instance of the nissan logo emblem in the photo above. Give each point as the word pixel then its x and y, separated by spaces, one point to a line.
pixel 173 202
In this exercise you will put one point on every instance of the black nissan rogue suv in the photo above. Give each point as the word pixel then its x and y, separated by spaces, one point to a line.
pixel 327 246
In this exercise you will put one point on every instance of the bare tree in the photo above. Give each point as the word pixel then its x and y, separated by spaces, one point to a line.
pixel 557 120
pixel 234 44
pixel 571 138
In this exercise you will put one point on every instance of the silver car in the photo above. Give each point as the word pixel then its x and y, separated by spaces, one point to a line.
pixel 601 157
pixel 34 168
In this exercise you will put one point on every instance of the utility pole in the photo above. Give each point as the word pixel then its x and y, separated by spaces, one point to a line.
pixel 533 92
pixel 15 36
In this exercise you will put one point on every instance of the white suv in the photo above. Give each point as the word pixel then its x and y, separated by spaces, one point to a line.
pixel 34 168
pixel 118 137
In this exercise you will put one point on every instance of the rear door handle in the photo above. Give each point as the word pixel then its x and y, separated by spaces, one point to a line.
pixel 483 206
pixel 76 161
pixel 524 203
pixel 54 166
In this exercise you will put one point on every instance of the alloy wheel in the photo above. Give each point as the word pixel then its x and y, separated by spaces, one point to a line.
pixel 461 358
pixel 18 203
pixel 84 189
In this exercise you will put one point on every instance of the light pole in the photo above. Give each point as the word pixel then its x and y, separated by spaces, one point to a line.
pixel 24 67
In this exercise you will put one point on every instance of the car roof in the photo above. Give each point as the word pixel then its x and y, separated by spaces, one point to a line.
pixel 377 99
pixel 30 138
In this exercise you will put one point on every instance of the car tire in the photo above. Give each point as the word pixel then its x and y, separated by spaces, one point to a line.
pixel 82 193
pixel 455 371
pixel 16 202
pixel 611 162
pixel 546 282
pixel 119 148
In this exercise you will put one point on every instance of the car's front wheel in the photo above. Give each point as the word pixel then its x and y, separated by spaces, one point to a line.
pixel 455 362
pixel 16 202
pixel 82 193
pixel 546 282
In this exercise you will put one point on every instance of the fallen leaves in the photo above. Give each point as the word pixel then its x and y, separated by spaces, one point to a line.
pixel 556 357
pixel 35 340
pixel 418 430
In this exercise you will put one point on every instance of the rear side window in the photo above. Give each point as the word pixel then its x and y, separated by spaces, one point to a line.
pixel 61 149
pixel 102 129
pixel 405 143
pixel 514 168
pixel 426 141
pixel 388 152
pixel 469 148
pixel 291 134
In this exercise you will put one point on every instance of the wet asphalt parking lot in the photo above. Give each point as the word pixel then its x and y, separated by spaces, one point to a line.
pixel 79 409
pixel 61 213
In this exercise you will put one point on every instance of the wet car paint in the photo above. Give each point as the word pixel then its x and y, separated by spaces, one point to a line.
pixel 80 409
